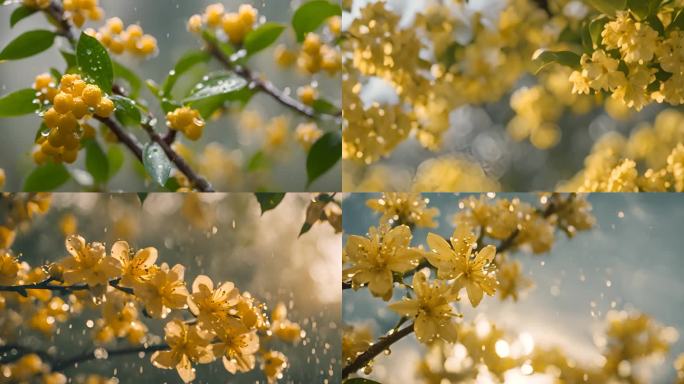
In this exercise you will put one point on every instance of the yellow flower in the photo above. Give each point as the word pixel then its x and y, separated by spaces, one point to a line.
pixel 212 306
pixel 511 280
pixel 238 346
pixel 88 263
pixel 375 258
pixel 455 262
pixel 136 269
pixel 120 315
pixel 7 237
pixel 188 344
pixel 431 309
pixel 404 208
pixel 165 290
pixel 283 328
pixel 9 268
pixel 274 363
pixel 355 341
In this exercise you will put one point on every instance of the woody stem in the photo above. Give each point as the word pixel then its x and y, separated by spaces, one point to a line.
pixel 374 350
pixel 60 365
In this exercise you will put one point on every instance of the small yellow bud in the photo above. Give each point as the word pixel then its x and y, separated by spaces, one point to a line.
pixel 104 108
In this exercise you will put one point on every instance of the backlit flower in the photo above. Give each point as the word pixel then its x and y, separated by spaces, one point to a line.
pixel 88 263
pixel 375 258
pixel 187 344
pixel 164 291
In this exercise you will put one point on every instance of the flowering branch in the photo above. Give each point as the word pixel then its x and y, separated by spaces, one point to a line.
pixel 265 86
pixel 56 12
pixel 382 345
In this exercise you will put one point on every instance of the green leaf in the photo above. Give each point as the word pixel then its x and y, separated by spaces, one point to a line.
pixel 184 64
pixel 325 107
pixel 257 162
pixel 608 7
pixel 70 59
pixel 94 62
pixel 311 15
pixel 595 28
pixel 21 102
pixel 28 44
pixel 156 163
pixel 20 14
pixel 127 111
pixel 43 131
pixel 324 154
pixel 115 158
pixel 643 8
pixel 269 201
pixel 46 178
pixel 359 380
pixel 262 37
pixel 220 84
pixel 96 162
pixel 566 58
pixel 121 72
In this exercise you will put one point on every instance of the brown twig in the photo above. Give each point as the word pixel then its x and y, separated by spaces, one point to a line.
pixel 374 350
pixel 265 86
pixel 60 365
pixel 63 289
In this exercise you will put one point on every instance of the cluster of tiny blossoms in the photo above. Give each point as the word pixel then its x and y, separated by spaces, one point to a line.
pixel 628 339
pixel 475 258
pixel 73 103
pixel 635 63
pixel 236 25
pixel 479 54
pixel 119 40
pixel 79 11
pixel 188 121
pixel 651 159
pixel 228 325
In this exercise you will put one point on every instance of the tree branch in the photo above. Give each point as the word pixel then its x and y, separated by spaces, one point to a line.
pixel 381 345
pixel 62 289
pixel 56 12
pixel 266 86
pixel 60 365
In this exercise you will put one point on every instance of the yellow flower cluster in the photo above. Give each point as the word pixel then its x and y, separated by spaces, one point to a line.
pixel 75 102
pixel 30 368
pixel 188 121
pixel 307 134
pixel 482 69
pixel 236 25
pixel 37 4
pixel 20 211
pixel 81 10
pixel 536 115
pixel 355 341
pixel 314 56
pixel 616 163
pixel 646 67
pixel 431 309
pixel 119 40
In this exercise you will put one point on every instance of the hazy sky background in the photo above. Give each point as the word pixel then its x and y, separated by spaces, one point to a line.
pixel 638 255
pixel 166 20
